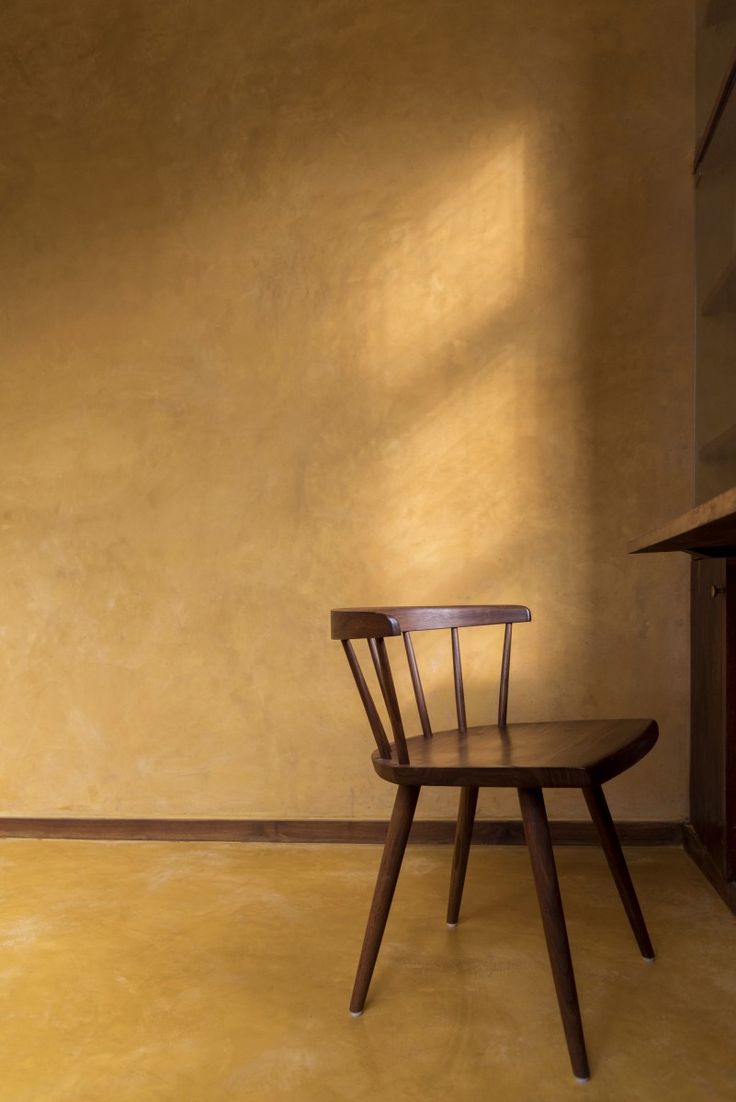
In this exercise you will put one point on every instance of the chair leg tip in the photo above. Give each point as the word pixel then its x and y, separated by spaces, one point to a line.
pixel 356 1013
pixel 451 925
pixel 649 960
pixel 582 1078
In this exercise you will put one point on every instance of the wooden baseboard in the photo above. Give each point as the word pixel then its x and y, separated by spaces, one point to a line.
pixel 695 849
pixel 486 831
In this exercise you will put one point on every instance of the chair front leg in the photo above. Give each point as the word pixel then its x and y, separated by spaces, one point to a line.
pixel 388 874
pixel 539 844
pixel 601 816
pixel 463 836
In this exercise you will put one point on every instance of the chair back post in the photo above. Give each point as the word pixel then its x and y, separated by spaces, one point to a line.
pixel 417 684
pixel 457 676
pixel 503 689
pixel 382 665
pixel 379 734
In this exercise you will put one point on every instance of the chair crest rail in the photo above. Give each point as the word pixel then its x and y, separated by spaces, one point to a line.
pixel 379 622
pixel 376 624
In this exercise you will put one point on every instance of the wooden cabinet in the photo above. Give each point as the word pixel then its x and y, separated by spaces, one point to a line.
pixel 713 728
pixel 708 534
pixel 715 251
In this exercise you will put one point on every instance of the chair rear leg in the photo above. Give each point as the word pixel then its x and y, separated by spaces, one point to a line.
pixel 393 853
pixel 601 816
pixel 463 835
pixel 539 843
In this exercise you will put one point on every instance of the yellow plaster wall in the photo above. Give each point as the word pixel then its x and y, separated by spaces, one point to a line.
pixel 321 303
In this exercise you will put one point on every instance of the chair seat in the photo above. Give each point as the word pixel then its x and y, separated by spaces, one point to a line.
pixel 559 754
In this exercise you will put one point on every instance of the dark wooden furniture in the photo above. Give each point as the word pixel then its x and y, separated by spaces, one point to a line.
pixel 717 111
pixel 714 168
pixel 526 756
pixel 708 534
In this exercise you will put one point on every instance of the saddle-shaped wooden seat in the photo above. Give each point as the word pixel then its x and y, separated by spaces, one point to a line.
pixel 561 754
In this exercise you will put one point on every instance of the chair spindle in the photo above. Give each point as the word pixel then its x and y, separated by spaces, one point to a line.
pixel 416 682
pixel 379 655
pixel 503 690
pixel 374 719
pixel 458 674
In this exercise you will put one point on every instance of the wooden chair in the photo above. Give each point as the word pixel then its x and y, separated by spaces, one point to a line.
pixel 526 756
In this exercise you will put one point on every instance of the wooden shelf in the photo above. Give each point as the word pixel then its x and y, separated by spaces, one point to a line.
pixel 724 93
pixel 721 299
pixel 708 529
pixel 720 447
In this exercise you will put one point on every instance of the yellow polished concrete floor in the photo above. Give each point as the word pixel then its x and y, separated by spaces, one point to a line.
pixel 205 973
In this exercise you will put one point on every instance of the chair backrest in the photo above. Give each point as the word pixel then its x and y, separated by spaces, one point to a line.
pixel 376 624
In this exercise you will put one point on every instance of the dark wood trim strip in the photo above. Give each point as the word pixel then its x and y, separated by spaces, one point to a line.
pixel 697 851
pixel 486 832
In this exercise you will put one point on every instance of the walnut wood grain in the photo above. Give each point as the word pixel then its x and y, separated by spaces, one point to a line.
pixel 364 623
pixel 417 686
pixel 388 874
pixel 385 680
pixel 526 756
pixel 503 690
pixel 601 816
pixel 457 677
pixel 557 754
pixel 374 719
pixel 463 835
pixel 539 844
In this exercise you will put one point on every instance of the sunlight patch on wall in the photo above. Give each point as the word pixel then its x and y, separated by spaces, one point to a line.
pixel 454 262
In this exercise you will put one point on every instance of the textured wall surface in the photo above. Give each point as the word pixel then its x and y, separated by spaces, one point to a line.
pixel 325 303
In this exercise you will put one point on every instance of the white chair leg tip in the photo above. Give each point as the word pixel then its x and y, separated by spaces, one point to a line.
pixel 649 960
pixel 451 925
pixel 579 1080
pixel 356 1013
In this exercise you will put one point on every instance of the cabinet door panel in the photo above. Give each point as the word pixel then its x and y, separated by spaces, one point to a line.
pixel 729 749
pixel 708 728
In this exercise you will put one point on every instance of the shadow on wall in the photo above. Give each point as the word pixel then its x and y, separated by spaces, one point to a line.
pixel 314 305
